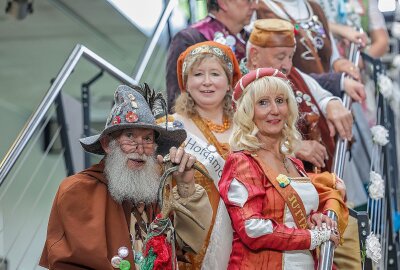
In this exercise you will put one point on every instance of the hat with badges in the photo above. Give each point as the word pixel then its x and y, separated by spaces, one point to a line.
pixel 138 108
pixel 269 33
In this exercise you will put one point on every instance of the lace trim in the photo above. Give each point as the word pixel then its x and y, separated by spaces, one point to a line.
pixel 319 236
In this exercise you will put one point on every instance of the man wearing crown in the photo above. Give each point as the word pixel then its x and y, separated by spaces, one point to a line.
pixel 100 216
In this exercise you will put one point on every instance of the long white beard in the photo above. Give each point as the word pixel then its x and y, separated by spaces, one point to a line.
pixel 140 185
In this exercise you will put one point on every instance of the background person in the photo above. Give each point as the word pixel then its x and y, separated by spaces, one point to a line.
pixel 316 51
pixel 272 44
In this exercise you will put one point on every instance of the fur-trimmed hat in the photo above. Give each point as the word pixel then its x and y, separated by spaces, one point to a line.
pixel 138 110
pixel 269 33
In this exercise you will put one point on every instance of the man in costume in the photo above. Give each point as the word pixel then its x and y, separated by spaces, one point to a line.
pixel 272 44
pixel 90 222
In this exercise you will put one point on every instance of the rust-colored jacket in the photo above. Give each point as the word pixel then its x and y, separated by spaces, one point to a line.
pixel 86 226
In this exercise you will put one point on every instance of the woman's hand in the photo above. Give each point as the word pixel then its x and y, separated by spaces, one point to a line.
pixel 317 220
pixel 341 186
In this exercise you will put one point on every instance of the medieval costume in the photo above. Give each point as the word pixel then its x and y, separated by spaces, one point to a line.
pixel 90 229
pixel 312 99
pixel 266 231
pixel 313 39
pixel 205 143
pixel 269 197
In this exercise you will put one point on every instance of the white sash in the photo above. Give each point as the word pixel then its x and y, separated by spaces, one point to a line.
pixel 220 244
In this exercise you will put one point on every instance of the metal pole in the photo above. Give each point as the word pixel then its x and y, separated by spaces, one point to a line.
pixel 64 135
pixel 327 248
pixel 85 90
pixel 150 45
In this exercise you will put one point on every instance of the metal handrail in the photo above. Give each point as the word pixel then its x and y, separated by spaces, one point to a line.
pixel 327 248
pixel 151 44
pixel 30 127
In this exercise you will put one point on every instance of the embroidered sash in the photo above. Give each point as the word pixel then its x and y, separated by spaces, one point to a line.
pixel 206 154
pixel 221 238
pixel 290 196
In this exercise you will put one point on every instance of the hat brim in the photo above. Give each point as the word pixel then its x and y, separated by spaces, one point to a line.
pixel 166 138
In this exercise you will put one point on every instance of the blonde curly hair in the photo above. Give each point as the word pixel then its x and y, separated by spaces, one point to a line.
pixel 244 128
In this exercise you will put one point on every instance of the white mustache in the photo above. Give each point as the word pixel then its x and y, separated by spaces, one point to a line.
pixel 136 156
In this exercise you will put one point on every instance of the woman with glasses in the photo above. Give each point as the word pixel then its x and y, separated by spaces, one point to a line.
pixel 277 211
pixel 206 73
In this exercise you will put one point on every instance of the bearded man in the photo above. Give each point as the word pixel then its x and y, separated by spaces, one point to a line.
pixel 100 216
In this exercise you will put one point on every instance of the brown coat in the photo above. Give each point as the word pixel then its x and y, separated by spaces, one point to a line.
pixel 86 226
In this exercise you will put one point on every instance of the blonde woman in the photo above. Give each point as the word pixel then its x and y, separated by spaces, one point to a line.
pixel 207 72
pixel 277 211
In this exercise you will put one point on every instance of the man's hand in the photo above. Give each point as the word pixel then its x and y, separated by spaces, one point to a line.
pixel 339 118
pixel 185 175
pixel 344 65
pixel 354 89
pixel 312 151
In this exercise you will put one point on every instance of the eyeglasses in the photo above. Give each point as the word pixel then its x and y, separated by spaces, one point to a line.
pixel 135 145
pixel 127 138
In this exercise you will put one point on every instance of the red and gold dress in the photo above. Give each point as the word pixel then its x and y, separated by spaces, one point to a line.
pixel 265 232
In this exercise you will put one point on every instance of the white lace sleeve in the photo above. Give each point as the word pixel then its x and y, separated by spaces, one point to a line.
pixel 318 237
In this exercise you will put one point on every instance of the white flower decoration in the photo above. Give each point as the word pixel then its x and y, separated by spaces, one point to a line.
pixel 396 61
pixel 376 187
pixel 380 135
pixel 396 29
pixel 373 248
pixel 385 86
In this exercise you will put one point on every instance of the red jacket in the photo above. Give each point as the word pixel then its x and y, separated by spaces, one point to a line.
pixel 264 202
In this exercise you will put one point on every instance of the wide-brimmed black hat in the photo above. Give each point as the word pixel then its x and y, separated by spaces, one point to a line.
pixel 132 110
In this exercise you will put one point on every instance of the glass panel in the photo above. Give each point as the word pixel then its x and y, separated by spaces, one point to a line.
pixel 26 196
